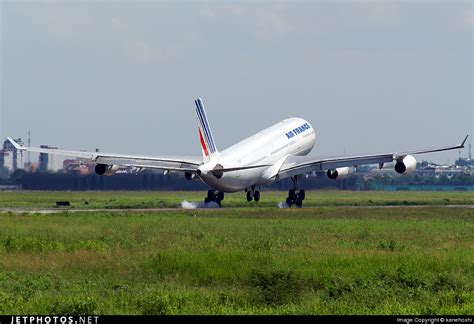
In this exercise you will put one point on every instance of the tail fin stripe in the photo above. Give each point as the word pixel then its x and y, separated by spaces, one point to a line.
pixel 201 123
pixel 206 134
pixel 200 120
pixel 203 144
pixel 205 127
pixel 204 117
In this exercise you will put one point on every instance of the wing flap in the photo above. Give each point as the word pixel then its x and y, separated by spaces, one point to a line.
pixel 296 165
pixel 169 163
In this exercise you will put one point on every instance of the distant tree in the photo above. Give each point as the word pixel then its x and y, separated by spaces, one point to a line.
pixel 17 176
pixel 3 173
pixel 464 179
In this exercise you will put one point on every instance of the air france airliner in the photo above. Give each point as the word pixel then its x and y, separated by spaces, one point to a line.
pixel 275 153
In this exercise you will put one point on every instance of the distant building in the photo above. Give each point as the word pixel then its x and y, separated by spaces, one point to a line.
pixel 49 162
pixel 10 157
pixel 463 162
pixel 78 166
pixel 5 159
pixel 466 163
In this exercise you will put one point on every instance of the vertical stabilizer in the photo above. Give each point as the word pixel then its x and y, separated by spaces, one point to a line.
pixel 205 134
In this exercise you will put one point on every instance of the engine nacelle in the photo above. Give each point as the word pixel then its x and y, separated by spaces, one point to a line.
pixel 406 165
pixel 338 173
pixel 106 169
pixel 190 176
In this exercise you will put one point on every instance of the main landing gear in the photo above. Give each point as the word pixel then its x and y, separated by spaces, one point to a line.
pixel 295 195
pixel 214 196
pixel 253 194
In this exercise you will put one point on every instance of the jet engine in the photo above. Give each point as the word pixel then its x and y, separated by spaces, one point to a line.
pixel 217 171
pixel 405 165
pixel 190 176
pixel 106 169
pixel 338 173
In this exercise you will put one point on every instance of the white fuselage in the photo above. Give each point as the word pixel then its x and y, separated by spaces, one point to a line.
pixel 268 148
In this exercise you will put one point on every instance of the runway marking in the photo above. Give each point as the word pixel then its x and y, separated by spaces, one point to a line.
pixel 148 210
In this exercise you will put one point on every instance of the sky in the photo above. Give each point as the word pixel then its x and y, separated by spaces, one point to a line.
pixel 122 76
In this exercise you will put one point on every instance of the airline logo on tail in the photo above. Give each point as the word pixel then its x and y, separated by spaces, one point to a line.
pixel 205 135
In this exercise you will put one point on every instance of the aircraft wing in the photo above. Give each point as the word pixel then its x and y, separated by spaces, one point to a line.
pixel 172 163
pixel 297 165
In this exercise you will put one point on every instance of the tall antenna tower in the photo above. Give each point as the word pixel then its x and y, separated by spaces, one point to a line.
pixel 29 145
pixel 470 155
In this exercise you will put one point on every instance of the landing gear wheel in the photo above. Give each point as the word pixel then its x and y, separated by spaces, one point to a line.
pixel 299 203
pixel 256 196
pixel 292 194
pixel 249 196
pixel 302 194
pixel 218 201
pixel 214 196
pixel 295 195
pixel 210 194
pixel 220 195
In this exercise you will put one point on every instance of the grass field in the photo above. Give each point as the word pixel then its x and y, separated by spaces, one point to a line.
pixel 237 260
pixel 157 199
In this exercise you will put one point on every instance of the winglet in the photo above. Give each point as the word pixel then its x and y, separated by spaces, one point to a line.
pixel 463 142
pixel 15 144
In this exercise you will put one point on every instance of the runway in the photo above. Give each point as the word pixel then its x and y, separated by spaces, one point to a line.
pixel 154 210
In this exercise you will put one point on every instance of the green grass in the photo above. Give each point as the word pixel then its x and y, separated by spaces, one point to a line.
pixel 157 199
pixel 239 261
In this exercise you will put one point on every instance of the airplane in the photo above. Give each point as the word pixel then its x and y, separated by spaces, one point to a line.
pixel 275 153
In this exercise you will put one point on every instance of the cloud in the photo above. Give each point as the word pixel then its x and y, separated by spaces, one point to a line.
pixel 263 22
pixel 271 25
pixel 470 18
pixel 141 52
pixel 93 28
